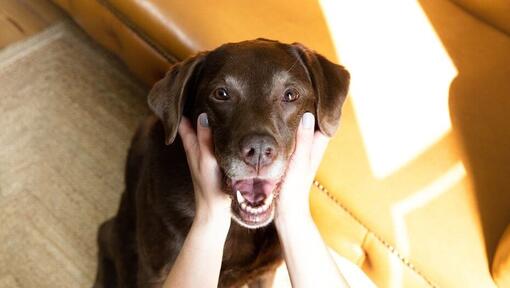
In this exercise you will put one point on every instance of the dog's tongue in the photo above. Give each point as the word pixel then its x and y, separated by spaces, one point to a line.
pixel 254 190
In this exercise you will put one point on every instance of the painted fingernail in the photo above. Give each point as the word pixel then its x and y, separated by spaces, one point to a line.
pixel 202 119
pixel 308 120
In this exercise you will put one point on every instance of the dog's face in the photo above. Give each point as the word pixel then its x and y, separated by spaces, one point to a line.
pixel 254 94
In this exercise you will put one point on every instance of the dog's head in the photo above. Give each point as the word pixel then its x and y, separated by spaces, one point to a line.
pixel 254 93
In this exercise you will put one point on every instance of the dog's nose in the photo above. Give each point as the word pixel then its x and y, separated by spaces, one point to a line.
pixel 258 150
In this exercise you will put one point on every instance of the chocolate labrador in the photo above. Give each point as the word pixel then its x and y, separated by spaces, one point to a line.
pixel 254 93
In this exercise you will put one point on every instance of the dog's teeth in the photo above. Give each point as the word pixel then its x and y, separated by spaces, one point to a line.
pixel 255 210
pixel 240 197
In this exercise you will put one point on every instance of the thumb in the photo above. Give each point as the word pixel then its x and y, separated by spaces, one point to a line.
pixel 304 138
pixel 205 142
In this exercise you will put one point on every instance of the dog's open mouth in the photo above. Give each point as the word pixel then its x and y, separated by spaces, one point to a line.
pixel 253 201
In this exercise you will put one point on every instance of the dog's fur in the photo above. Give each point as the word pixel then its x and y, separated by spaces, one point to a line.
pixel 139 245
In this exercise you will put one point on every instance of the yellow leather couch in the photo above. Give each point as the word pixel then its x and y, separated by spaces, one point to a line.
pixel 415 187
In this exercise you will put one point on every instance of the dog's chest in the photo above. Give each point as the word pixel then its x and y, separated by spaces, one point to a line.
pixel 239 247
pixel 249 253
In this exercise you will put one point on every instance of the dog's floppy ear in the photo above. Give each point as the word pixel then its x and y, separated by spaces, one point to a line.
pixel 168 96
pixel 330 82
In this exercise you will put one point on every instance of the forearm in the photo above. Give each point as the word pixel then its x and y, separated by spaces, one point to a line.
pixel 306 255
pixel 199 261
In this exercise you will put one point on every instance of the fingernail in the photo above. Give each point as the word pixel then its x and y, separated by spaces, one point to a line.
pixel 308 120
pixel 202 119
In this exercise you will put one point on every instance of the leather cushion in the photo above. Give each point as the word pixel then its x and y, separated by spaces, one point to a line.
pixel 494 12
pixel 185 27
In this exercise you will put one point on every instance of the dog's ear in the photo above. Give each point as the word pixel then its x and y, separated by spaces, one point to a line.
pixel 168 96
pixel 330 82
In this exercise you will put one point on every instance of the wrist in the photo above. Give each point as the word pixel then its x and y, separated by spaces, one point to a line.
pixel 294 217
pixel 288 209
pixel 216 219
pixel 293 207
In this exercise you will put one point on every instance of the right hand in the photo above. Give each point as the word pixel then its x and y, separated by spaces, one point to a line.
pixel 212 204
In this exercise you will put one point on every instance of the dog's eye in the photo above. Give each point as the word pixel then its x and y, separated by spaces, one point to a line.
pixel 221 94
pixel 290 95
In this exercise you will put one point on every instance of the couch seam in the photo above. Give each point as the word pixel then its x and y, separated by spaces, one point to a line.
pixel 129 24
pixel 385 243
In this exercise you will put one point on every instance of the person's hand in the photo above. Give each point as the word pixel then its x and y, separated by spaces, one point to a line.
pixel 202 250
pixel 312 266
pixel 293 198
pixel 212 204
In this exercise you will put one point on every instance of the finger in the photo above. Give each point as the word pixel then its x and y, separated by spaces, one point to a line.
pixel 205 141
pixel 304 138
pixel 208 165
pixel 189 140
pixel 320 143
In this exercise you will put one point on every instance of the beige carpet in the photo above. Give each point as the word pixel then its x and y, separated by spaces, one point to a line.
pixel 67 113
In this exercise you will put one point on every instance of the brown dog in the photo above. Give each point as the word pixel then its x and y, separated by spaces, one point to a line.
pixel 254 94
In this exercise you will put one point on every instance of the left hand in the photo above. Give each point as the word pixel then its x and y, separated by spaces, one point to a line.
pixel 293 200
